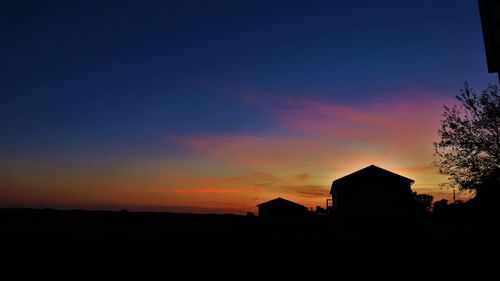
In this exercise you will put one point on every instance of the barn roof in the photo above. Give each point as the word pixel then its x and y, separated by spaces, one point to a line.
pixel 367 175
pixel 279 201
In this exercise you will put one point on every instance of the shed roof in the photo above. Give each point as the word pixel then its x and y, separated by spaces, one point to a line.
pixel 279 201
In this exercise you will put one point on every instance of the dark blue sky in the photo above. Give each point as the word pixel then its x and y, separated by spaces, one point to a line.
pixel 90 76
pixel 109 68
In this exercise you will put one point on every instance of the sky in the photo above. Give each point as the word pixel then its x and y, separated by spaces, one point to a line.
pixel 216 106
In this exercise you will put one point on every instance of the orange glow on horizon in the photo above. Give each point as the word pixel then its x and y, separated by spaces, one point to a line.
pixel 313 144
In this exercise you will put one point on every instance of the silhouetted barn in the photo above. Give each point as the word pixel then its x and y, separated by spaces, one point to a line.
pixel 373 193
pixel 281 208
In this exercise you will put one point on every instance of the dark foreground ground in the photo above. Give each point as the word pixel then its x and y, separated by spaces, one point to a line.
pixel 187 239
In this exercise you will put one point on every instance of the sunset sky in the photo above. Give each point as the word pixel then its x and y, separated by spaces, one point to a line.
pixel 216 106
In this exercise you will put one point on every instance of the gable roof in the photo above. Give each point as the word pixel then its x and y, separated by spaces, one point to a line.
pixel 368 173
pixel 279 201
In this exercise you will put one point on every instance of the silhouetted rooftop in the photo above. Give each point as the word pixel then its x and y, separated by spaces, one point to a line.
pixel 279 200
pixel 365 174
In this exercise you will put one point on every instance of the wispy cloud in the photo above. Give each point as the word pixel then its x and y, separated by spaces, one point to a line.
pixel 324 140
pixel 314 191
pixel 258 151
pixel 205 190
pixel 384 121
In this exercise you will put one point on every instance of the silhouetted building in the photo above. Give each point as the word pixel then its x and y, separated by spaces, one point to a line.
pixel 373 193
pixel 490 21
pixel 281 208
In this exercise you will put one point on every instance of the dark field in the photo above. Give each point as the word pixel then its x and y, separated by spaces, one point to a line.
pixel 220 245
pixel 233 233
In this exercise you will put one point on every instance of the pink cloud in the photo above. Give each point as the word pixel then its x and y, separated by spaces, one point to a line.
pixel 406 118
pixel 309 131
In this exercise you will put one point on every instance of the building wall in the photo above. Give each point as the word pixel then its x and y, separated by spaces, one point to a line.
pixel 281 211
pixel 375 201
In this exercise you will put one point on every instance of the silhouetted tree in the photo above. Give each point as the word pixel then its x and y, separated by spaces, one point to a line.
pixel 469 149
pixel 440 206
pixel 425 200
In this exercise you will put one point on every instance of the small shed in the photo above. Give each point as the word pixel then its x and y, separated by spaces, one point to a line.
pixel 281 208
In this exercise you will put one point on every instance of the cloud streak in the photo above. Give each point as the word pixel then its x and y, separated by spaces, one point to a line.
pixel 410 119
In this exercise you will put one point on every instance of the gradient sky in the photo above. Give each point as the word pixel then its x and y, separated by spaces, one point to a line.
pixel 216 106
